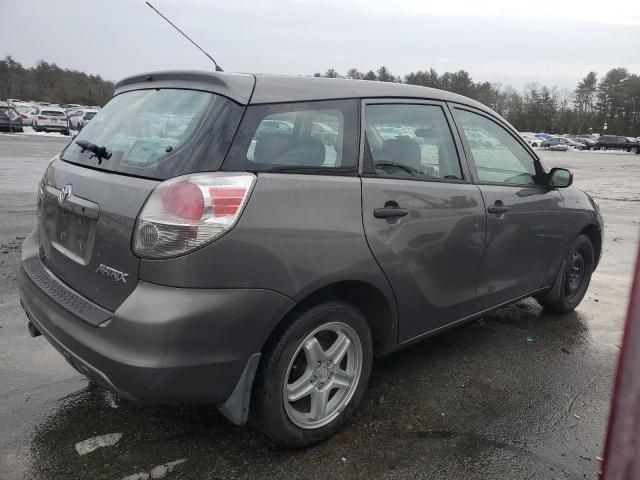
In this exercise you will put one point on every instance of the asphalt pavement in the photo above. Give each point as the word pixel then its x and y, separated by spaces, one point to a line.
pixel 518 394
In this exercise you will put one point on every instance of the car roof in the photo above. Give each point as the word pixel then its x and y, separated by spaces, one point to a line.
pixel 263 88
pixel 51 109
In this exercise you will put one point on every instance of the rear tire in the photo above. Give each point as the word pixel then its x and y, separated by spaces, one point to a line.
pixel 576 277
pixel 312 377
pixel 36 127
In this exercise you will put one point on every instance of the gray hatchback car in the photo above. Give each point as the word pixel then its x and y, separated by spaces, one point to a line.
pixel 189 251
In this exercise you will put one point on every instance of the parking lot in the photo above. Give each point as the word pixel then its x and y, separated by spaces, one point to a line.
pixel 517 394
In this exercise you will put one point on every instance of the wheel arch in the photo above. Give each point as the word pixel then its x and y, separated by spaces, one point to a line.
pixel 592 232
pixel 378 309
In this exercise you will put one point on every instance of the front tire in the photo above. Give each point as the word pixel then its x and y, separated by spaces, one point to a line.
pixel 575 278
pixel 313 376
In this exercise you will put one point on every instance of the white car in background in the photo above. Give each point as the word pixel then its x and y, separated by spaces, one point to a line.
pixel 531 139
pixel 27 112
pixel 51 119
pixel 81 117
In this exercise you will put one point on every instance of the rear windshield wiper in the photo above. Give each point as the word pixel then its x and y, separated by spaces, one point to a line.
pixel 99 152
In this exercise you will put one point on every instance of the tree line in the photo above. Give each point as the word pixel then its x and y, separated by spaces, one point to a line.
pixel 48 82
pixel 612 100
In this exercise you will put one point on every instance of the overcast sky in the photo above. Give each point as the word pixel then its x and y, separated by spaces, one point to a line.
pixel 553 42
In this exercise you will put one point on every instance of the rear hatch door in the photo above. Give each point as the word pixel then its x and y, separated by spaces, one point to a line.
pixel 88 204
pixel 86 221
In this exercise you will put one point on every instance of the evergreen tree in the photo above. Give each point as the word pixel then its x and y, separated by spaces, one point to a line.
pixel 384 75
pixel 370 75
pixel 331 73
pixel 355 74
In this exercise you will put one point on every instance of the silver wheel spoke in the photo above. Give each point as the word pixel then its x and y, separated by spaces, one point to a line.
pixel 341 379
pixel 328 385
pixel 319 400
pixel 300 388
pixel 337 351
pixel 314 352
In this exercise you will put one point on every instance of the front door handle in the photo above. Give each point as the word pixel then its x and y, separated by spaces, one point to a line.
pixel 498 208
pixel 390 212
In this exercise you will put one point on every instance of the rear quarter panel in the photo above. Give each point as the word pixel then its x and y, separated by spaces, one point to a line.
pixel 297 234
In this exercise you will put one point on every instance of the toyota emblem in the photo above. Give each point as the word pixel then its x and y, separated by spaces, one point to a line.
pixel 64 194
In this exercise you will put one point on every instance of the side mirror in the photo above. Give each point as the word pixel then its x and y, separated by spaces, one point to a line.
pixel 559 178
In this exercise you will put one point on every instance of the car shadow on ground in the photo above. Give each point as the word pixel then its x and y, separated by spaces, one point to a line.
pixel 454 405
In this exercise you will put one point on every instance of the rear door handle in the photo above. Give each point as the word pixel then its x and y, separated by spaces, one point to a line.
pixel 390 212
pixel 498 209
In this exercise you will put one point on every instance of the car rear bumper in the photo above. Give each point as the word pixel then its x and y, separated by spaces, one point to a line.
pixel 163 344
pixel 8 127
pixel 57 127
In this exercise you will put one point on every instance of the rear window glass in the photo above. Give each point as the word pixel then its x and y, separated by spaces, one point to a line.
pixel 311 137
pixel 149 132
pixel 52 113
pixel 89 115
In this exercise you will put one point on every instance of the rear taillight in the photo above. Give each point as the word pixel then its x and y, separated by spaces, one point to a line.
pixel 186 212
pixel 23 116
pixel 40 117
pixel 64 119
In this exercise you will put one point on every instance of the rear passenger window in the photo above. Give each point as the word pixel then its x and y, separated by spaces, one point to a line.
pixel 410 141
pixel 498 156
pixel 312 137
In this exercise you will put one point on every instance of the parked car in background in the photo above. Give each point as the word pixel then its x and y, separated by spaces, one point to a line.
pixel 587 140
pixel 616 142
pixel 278 127
pixel 10 120
pixel 81 117
pixel 563 141
pixel 544 136
pixel 190 255
pixel 531 140
pixel 27 112
pixel 51 119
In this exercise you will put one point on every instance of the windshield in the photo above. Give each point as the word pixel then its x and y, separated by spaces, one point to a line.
pixel 146 132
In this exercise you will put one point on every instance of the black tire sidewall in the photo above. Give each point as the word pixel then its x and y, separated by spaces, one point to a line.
pixel 563 304
pixel 267 406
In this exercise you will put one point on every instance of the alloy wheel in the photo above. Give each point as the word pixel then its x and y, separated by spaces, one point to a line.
pixel 323 375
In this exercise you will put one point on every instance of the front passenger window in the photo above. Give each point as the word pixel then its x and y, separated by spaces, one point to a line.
pixel 499 158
